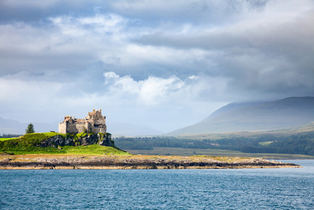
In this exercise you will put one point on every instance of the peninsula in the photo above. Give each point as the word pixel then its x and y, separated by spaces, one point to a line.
pixel 86 144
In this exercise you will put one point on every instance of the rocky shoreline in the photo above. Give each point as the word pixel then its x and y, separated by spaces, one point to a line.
pixel 135 162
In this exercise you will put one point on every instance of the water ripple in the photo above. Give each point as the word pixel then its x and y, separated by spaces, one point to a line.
pixel 159 189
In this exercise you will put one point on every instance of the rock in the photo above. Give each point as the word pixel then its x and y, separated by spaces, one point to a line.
pixel 59 140
pixel 111 162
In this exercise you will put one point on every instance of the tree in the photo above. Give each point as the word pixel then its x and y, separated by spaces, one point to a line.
pixel 30 128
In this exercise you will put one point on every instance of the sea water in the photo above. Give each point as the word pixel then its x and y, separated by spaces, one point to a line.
pixel 281 188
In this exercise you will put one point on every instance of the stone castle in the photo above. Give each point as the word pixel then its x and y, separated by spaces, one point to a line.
pixel 93 122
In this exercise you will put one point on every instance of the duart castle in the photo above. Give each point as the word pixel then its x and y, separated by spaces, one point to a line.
pixel 93 122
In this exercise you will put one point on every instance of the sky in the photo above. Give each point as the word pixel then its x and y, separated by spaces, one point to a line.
pixel 160 64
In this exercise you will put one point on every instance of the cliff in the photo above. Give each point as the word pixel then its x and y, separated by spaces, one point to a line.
pixel 76 140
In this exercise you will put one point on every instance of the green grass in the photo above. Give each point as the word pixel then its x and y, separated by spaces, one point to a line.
pixel 7 139
pixel 28 144
pixel 94 149
pixel 215 152
pixel 51 134
pixel 31 150
pixel 81 135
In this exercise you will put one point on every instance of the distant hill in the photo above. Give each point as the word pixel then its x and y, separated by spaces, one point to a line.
pixel 234 117
pixel 126 129
pixel 9 126
pixel 308 127
pixel 230 107
pixel 284 132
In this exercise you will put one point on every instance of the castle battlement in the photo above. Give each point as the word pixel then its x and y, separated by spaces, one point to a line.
pixel 93 122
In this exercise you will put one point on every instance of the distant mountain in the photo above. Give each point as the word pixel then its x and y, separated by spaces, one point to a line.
pixel 125 129
pixel 288 112
pixel 11 126
pixel 8 126
pixel 230 107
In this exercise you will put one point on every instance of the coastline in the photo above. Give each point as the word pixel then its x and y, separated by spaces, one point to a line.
pixel 30 162
pixel 137 167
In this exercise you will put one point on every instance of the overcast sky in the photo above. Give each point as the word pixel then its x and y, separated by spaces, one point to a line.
pixel 164 64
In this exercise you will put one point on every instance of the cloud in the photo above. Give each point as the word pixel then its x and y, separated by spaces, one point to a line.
pixel 157 61
pixel 144 12
pixel 263 54
pixel 65 43
pixel 26 98
pixel 151 91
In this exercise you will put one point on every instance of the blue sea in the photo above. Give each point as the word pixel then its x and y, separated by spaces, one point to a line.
pixel 283 188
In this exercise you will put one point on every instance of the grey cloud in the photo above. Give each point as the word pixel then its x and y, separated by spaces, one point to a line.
pixel 206 41
pixel 257 4
pixel 274 59
pixel 141 12
pixel 17 62
pixel 52 47
pixel 275 39
pixel 89 80
pixel 34 11
pixel 211 12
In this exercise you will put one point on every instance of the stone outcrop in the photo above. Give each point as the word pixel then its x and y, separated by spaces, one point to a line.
pixel 59 140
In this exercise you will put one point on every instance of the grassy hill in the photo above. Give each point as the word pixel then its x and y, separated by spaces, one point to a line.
pixel 273 115
pixel 30 144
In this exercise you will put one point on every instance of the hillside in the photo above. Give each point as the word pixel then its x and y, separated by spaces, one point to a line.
pixel 57 143
pixel 295 130
pixel 263 116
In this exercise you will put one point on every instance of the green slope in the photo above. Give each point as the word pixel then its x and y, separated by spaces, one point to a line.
pixel 28 144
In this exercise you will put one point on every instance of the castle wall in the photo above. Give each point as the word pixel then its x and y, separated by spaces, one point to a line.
pixel 71 128
pixel 62 128
pixel 99 130
pixel 74 127
pixel 79 128
pixel 89 128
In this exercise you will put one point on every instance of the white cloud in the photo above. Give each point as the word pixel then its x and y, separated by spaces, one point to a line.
pixel 151 91
pixel 155 90
pixel 95 25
